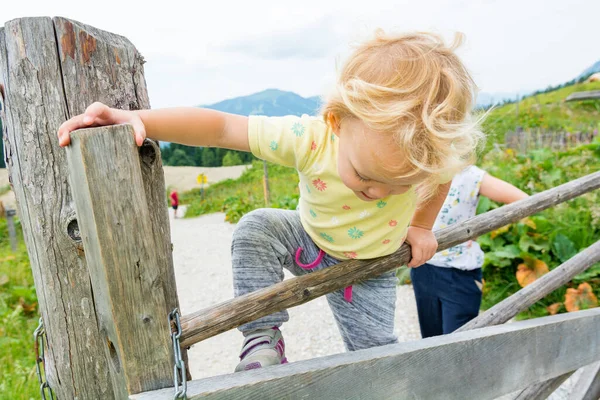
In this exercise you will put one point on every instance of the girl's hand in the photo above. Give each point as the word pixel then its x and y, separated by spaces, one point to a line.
pixel 423 245
pixel 99 114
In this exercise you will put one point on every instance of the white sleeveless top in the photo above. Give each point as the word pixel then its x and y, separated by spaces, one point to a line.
pixel 460 205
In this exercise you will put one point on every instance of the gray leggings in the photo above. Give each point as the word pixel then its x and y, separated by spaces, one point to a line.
pixel 265 241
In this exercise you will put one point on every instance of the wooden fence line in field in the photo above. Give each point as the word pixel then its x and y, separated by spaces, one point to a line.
pixel 531 139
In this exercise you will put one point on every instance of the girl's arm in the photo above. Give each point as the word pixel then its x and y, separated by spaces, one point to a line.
pixel 420 237
pixel 427 213
pixel 500 191
pixel 186 125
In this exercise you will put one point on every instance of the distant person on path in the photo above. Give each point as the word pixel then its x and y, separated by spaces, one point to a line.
pixel 374 172
pixel 448 287
pixel 174 202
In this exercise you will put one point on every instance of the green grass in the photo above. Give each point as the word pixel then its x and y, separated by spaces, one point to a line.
pixel 547 111
pixel 18 320
pixel 238 197
pixel 4 189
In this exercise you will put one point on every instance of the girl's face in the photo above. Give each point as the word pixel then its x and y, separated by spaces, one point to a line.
pixel 363 155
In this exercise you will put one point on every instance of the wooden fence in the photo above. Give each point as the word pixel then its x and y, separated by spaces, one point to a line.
pixel 580 96
pixel 52 69
pixel 98 237
pixel 531 139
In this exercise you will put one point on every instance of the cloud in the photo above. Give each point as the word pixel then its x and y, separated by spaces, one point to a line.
pixel 172 82
pixel 317 39
pixel 202 52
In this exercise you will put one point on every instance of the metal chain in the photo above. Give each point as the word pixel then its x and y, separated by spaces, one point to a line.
pixel 39 336
pixel 179 374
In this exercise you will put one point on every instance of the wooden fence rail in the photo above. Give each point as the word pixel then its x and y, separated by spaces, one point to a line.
pixel 588 95
pixel 491 361
pixel 530 139
pixel 230 314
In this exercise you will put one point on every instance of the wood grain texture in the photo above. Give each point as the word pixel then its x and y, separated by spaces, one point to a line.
pixel 588 384
pixel 51 71
pixel 123 255
pixel 35 108
pixel 99 66
pixel 541 390
pixel 211 321
pixel 535 350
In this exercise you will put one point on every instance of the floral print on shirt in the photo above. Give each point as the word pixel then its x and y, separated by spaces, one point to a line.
pixel 460 205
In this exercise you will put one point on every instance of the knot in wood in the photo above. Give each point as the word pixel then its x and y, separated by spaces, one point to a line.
pixel 73 230
pixel 148 153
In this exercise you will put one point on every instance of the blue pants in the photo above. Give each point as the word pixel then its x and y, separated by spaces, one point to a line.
pixel 447 298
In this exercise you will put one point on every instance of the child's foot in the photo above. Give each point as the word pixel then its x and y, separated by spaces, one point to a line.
pixel 262 348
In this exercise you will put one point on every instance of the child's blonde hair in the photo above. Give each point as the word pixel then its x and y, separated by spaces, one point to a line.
pixel 414 87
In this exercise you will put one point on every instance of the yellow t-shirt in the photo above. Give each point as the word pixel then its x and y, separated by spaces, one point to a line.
pixel 340 223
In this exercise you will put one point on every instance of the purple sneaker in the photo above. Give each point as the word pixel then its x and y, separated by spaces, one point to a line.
pixel 262 348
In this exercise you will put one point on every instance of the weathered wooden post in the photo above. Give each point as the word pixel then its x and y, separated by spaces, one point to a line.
pixel 52 69
pixel 124 254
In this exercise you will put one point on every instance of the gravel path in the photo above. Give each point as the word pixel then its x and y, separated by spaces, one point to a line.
pixel 202 261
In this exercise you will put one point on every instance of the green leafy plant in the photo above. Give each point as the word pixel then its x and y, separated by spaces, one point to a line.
pixel 238 197
pixel 18 319
pixel 517 254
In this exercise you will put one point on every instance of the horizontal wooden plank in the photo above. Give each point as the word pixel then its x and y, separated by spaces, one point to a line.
pixel 478 364
pixel 589 95
pixel 230 314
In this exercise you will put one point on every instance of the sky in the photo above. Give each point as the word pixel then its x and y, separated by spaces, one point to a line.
pixel 201 52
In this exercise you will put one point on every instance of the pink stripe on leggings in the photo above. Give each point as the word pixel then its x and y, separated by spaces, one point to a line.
pixel 314 264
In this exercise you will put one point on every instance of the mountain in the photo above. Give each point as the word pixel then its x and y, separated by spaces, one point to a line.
pixel 274 102
pixel 588 71
pixel 271 102
pixel 485 99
